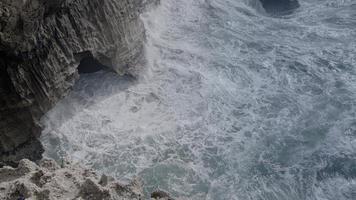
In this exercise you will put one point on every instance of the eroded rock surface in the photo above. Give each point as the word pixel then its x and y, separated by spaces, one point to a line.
pixel 41 45
pixel 51 181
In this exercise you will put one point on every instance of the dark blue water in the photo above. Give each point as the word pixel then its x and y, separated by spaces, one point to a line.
pixel 239 100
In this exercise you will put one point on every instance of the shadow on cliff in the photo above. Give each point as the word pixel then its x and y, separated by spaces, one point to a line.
pixel 90 65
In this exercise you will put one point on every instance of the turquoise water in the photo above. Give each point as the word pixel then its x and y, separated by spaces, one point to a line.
pixel 235 102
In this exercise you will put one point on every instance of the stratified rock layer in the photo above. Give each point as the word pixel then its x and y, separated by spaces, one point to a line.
pixel 41 45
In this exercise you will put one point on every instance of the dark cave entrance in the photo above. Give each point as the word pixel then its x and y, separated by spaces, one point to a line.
pixel 280 7
pixel 90 65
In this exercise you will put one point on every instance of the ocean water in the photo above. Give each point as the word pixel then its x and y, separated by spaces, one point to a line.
pixel 238 100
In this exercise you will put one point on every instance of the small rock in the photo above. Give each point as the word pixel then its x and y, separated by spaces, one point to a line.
pixel 160 195
pixel 18 190
pixel 25 166
pixel 103 180
pixel 49 164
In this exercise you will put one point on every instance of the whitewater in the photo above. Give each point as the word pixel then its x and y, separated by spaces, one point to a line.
pixel 233 102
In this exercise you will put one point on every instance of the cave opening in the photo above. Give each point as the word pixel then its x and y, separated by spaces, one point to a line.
pixel 280 7
pixel 90 65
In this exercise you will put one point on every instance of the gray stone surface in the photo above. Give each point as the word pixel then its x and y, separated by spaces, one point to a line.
pixel 41 45
pixel 48 181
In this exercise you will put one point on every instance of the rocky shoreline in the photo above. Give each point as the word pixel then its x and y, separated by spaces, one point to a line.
pixel 49 181
pixel 42 45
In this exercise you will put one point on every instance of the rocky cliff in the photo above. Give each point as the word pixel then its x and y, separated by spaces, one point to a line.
pixel 41 45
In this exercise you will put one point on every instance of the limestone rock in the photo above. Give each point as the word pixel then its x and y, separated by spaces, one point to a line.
pixel 49 181
pixel 41 45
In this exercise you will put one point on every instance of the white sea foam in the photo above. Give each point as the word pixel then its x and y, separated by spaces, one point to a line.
pixel 233 104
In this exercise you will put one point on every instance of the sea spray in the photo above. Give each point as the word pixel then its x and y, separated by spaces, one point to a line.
pixel 233 103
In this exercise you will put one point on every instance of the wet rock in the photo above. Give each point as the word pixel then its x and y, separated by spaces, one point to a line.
pixel 160 195
pixel 104 180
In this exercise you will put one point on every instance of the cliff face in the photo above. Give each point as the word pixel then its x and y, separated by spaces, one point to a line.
pixel 41 45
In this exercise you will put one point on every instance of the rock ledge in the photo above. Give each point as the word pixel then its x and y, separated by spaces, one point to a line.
pixel 50 181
